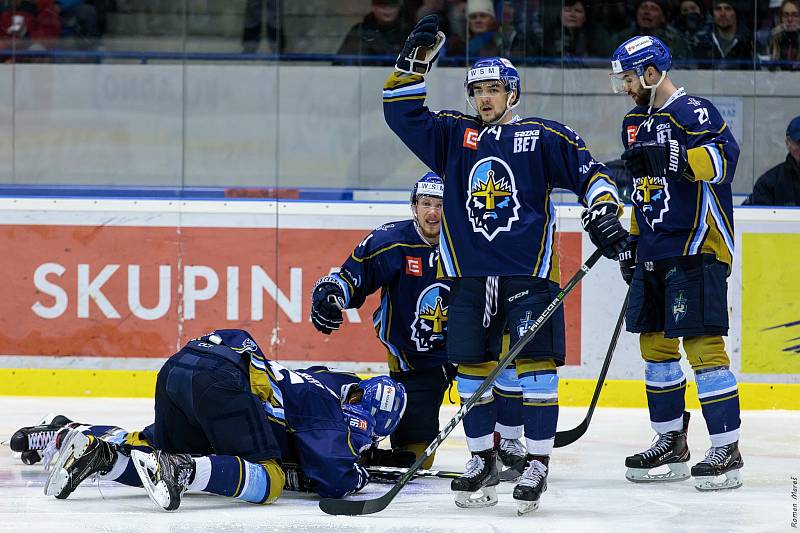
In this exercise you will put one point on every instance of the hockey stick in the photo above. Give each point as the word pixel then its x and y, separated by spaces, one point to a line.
pixel 565 438
pixel 362 507
pixel 393 473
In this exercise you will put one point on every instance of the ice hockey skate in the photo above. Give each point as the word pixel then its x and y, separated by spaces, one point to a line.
pixel 477 486
pixel 669 449
pixel 79 457
pixel 720 469
pixel 165 476
pixel 532 484
pixel 512 456
pixel 32 441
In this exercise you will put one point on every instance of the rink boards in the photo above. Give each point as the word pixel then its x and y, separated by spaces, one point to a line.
pixel 99 292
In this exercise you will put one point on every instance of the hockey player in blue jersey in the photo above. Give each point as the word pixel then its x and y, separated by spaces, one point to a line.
pixel 227 419
pixel 400 260
pixel 682 157
pixel 498 242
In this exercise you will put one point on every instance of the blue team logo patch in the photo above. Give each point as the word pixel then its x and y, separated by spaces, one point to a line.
pixel 430 318
pixel 651 196
pixel 492 203
pixel 525 324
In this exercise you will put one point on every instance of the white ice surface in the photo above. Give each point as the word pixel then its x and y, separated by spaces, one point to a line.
pixel 587 489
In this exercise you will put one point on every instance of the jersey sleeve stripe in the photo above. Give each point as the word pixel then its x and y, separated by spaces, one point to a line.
pixel 418 88
pixel 400 79
pixel 707 163
pixel 600 185
pixel 346 289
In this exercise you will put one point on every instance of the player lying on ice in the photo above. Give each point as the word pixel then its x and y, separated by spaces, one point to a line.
pixel 227 419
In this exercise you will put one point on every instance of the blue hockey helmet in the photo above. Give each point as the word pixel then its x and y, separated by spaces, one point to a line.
pixel 384 398
pixel 428 185
pixel 636 54
pixel 494 68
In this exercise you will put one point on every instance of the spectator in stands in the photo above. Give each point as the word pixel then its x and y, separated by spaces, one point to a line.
pixel 482 37
pixel 785 44
pixel 378 38
pixel 28 25
pixel 260 13
pixel 652 18
pixel 728 43
pixel 450 13
pixel 514 42
pixel 780 185
pixel 570 36
pixel 80 21
pixel 693 24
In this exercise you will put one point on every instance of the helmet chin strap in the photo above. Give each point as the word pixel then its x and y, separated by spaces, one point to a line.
pixel 652 87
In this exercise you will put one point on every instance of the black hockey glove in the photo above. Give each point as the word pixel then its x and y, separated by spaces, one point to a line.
pixel 296 480
pixel 601 223
pixel 627 260
pixel 394 458
pixel 657 160
pixel 327 302
pixel 421 47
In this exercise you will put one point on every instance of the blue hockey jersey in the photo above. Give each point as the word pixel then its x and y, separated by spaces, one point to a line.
pixel 682 217
pixel 498 218
pixel 304 409
pixel 412 318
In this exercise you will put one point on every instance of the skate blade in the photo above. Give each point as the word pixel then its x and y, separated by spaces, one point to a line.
pixel 676 472
pixel 485 497
pixel 527 507
pixel 145 463
pixel 728 480
pixel 72 448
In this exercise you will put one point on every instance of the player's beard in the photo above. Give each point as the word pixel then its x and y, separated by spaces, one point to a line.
pixel 494 119
pixel 430 234
pixel 642 96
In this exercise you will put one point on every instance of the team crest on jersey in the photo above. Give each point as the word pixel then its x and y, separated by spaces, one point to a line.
pixel 492 203
pixel 430 318
pixel 679 307
pixel 651 196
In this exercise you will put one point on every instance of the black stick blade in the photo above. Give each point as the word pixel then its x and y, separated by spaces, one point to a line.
pixel 565 438
pixel 339 507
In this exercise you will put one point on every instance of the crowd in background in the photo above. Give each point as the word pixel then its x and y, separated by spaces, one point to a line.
pixel 719 34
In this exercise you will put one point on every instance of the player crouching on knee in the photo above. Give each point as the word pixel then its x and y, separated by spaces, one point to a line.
pixel 227 419
pixel 682 157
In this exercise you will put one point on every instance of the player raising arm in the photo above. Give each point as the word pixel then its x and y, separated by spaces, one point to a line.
pixel 498 242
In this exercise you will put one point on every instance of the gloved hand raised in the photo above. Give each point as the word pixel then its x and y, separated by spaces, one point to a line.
pixel 421 47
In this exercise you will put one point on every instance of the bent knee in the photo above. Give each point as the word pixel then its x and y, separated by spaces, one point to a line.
pixel 706 351
pixel 277 479
pixel 656 348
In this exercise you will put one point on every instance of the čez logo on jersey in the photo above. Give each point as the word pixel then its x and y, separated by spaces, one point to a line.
pixel 430 318
pixel 492 203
